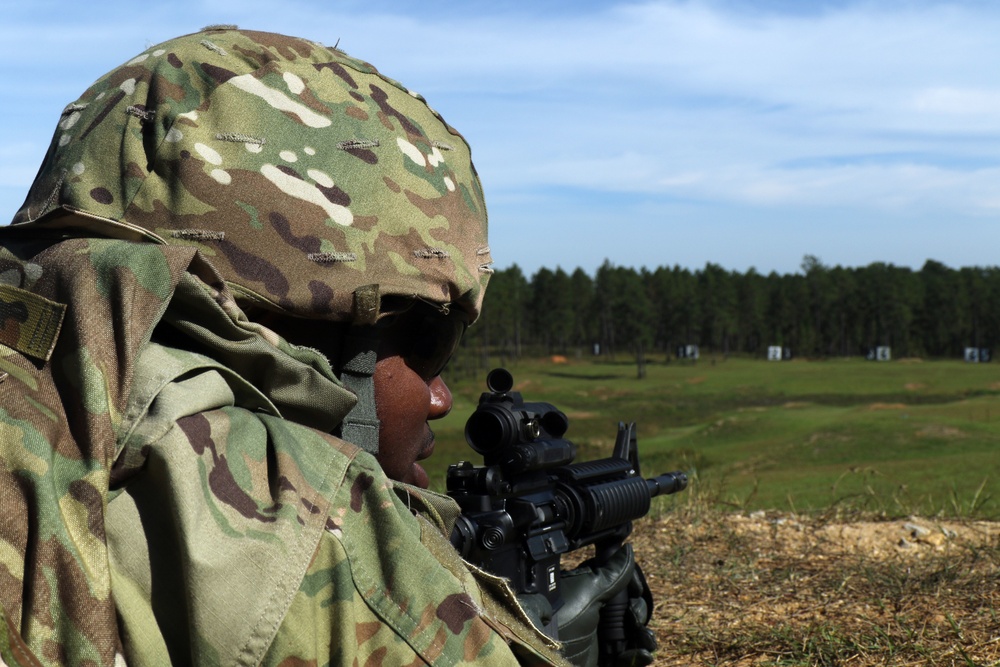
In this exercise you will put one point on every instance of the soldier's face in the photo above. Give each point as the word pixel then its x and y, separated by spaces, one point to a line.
pixel 414 347
pixel 409 392
pixel 405 402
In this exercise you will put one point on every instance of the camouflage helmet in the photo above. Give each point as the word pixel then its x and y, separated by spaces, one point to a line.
pixel 316 185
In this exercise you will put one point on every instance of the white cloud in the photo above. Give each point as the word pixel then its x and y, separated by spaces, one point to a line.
pixel 733 98
pixel 958 102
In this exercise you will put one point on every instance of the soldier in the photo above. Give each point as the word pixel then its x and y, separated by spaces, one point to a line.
pixel 224 310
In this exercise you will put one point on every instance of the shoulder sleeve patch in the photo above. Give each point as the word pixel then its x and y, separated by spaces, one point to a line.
pixel 29 323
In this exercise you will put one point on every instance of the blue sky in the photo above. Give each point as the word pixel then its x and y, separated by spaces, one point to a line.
pixel 744 133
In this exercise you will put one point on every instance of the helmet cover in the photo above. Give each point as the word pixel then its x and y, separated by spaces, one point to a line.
pixel 316 185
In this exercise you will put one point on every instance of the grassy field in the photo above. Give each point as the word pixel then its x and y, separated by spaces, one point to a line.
pixel 890 439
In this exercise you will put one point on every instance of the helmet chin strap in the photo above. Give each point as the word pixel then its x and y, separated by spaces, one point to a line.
pixel 357 369
pixel 358 355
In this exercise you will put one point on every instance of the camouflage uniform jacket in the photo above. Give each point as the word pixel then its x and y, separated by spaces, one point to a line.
pixel 170 495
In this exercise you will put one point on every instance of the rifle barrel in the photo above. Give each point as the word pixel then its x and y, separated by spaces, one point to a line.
pixel 668 482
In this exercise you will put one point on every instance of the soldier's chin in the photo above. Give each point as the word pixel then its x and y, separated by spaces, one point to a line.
pixel 418 476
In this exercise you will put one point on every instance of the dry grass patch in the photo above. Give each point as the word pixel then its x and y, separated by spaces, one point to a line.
pixel 770 589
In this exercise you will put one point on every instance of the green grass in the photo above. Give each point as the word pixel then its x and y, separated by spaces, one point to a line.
pixel 896 438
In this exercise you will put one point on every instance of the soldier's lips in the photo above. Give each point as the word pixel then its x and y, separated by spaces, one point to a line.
pixel 427 450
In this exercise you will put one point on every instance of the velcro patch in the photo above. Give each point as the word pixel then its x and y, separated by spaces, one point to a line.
pixel 29 323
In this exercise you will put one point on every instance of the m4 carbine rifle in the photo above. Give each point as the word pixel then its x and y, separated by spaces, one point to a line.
pixel 529 504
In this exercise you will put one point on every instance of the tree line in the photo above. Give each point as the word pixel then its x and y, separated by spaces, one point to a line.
pixel 819 312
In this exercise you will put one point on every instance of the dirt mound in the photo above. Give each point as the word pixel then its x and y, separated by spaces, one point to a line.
pixel 775 589
pixel 877 540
